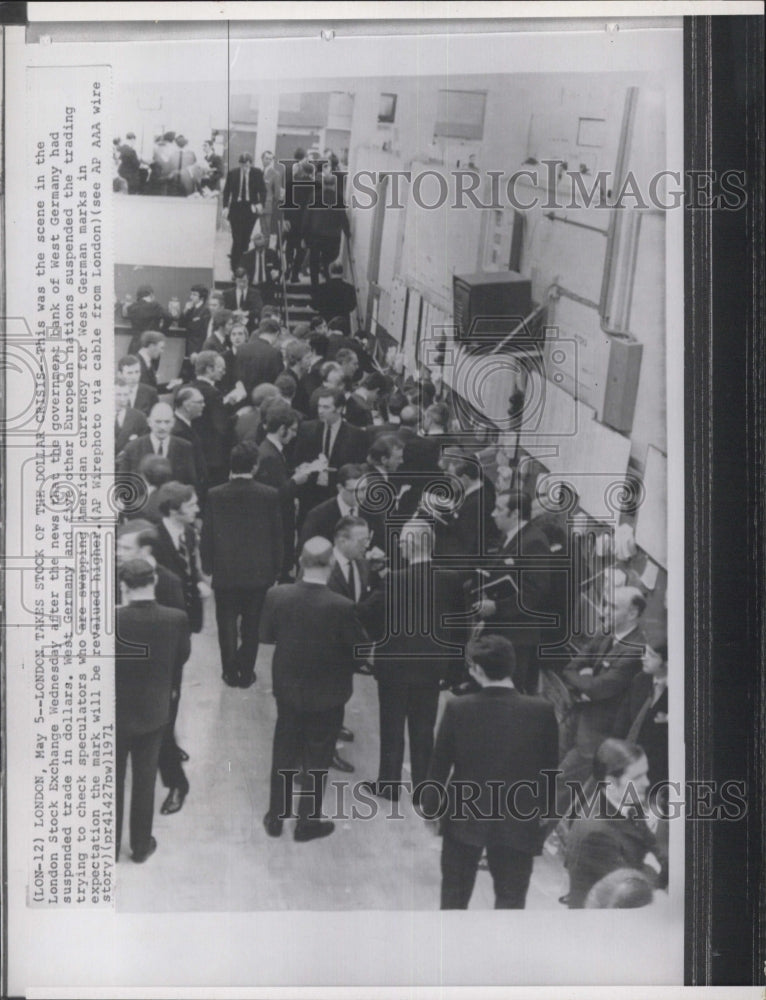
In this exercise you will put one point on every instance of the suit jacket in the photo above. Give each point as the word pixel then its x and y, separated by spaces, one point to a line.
pixel 614 663
pixel 321 520
pixel 495 735
pixel 212 343
pixel 421 647
pixel 315 631
pixel 168 590
pixel 652 734
pixel 514 615
pixel 134 425
pixel 350 446
pixel 167 555
pixel 370 603
pixel 148 373
pixel 257 361
pixel 143 678
pixel 252 303
pixel 143 316
pixel 256 188
pixel 241 543
pixel 180 456
pixel 187 433
pixel 195 322
pixel 214 427
pixel 470 530
pixel 146 397
pixel 602 843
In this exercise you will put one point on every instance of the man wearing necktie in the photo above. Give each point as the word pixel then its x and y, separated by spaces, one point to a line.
pixel 599 679
pixel 161 442
pixel 243 197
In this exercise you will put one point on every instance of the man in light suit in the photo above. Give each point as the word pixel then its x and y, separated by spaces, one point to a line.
pixel 143 685
pixel 244 195
pixel 496 743
pixel 241 548
pixel 315 632
pixel 159 441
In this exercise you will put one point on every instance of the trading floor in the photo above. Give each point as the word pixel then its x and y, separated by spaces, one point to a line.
pixel 214 854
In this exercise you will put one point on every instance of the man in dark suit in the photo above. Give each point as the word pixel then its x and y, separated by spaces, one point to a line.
pixel 298 360
pixel 151 349
pixel 422 647
pixel 214 425
pixel 129 423
pixel 264 270
pixel 315 632
pixel 143 686
pixel 195 319
pixel 598 680
pixel 241 548
pixel 332 437
pixel 300 191
pixel 154 470
pixel 642 717
pixel 137 539
pixel 496 742
pixel 244 195
pixel 336 298
pixel 244 298
pixel 274 469
pixel 322 519
pixel 519 587
pixel 130 165
pixel 159 441
pixel 259 360
pixel 176 547
pixel 142 397
pixel 213 169
pixel 189 406
pixel 146 314
pixel 616 833
pixel 470 530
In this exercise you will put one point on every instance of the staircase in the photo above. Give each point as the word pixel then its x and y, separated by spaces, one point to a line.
pixel 298 300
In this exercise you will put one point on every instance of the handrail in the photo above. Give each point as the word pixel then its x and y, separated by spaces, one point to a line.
pixel 282 269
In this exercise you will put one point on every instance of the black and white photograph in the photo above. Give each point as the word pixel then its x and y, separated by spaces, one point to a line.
pixel 351 502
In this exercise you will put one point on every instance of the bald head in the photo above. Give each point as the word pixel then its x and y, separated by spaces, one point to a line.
pixel 416 541
pixel 623 609
pixel 316 558
pixel 161 420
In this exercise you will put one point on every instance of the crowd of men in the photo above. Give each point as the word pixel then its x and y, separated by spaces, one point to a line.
pixel 329 505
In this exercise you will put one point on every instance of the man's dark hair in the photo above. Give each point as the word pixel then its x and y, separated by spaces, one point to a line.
pixel 137 573
pixel 278 413
pixel 396 403
pixel 348 472
pixel 614 757
pixel 156 469
pixel 201 291
pixel 383 447
pixel 316 321
pixel 286 385
pixel 173 495
pixel 347 524
pixel 302 331
pixel 494 654
pixel 338 399
pixel 145 530
pixel 221 318
pixel 268 325
pixel 319 344
pixel 464 464
pixel 244 458
pixel 127 361
pixel 151 337
pixel 205 360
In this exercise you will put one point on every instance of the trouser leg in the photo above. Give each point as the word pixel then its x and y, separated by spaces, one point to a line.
pixel 144 754
pixel 286 756
pixel 422 708
pixel 511 871
pixel 459 864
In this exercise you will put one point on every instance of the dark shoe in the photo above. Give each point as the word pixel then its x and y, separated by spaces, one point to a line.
pixel 174 801
pixel 272 825
pixel 312 830
pixel 346 735
pixel 232 680
pixel 140 856
pixel 182 755
pixel 342 765
pixel 382 789
pixel 246 680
